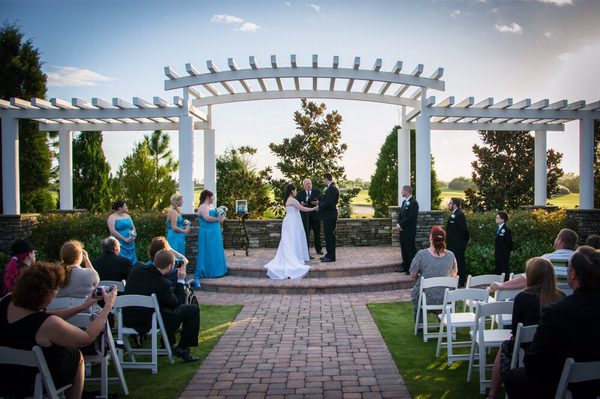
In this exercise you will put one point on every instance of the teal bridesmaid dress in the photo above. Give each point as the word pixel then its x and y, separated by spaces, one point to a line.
pixel 210 261
pixel 124 227
pixel 176 240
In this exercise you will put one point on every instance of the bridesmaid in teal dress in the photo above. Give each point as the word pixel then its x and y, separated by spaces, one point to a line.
pixel 177 229
pixel 122 228
pixel 210 261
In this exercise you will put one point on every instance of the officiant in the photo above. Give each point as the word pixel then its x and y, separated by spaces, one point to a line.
pixel 309 198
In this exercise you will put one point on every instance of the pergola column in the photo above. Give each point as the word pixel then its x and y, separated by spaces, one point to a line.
pixel 210 161
pixel 586 163
pixel 540 168
pixel 65 165
pixel 10 166
pixel 186 162
pixel 403 155
pixel 423 156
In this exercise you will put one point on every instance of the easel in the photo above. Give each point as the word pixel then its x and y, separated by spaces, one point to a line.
pixel 246 241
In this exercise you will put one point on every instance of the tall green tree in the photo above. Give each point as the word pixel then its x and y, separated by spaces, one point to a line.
pixel 238 178
pixel 144 178
pixel 91 173
pixel 504 171
pixel 21 76
pixel 384 182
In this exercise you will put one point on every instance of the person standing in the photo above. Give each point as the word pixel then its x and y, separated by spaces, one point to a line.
pixel 407 226
pixel 457 237
pixel 176 229
pixel 328 213
pixel 210 261
pixel 308 197
pixel 503 245
pixel 22 255
pixel 122 228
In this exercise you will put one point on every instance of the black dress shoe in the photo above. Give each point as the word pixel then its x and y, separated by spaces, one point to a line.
pixel 325 259
pixel 322 257
pixel 185 354
pixel 320 252
pixel 310 257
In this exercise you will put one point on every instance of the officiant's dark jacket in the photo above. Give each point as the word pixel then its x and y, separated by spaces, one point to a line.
pixel 328 204
pixel 315 194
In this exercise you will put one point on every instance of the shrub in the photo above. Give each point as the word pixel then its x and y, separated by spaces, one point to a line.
pixel 563 190
pixel 461 183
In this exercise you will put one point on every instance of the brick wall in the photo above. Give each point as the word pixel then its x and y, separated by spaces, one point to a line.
pixel 584 221
pixel 15 226
pixel 425 220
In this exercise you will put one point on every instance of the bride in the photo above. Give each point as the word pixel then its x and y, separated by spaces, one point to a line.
pixel 293 250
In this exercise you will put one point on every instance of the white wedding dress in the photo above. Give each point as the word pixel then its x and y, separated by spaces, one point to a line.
pixel 292 251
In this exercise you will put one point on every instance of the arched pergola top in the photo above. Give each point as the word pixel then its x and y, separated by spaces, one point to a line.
pixel 281 82
pixel 117 115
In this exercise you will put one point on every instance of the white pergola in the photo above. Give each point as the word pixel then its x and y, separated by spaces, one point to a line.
pixel 407 90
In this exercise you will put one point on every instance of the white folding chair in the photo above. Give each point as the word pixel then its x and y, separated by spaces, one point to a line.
pixel 453 320
pixel 106 353
pixel 484 338
pixel 505 320
pixel 109 283
pixel 44 385
pixel 574 372
pixel 157 325
pixel 423 307
pixel 524 335
pixel 482 281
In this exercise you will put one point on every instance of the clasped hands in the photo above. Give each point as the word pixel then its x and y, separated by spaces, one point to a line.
pixel 397 227
pixel 314 202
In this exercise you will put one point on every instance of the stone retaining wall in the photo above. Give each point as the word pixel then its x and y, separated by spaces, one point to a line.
pixel 15 226
pixel 584 222
pixel 425 220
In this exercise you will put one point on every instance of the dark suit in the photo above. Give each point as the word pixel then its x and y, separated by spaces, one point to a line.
pixel 457 237
pixel 566 329
pixel 310 220
pixel 408 221
pixel 503 247
pixel 148 281
pixel 111 266
pixel 328 214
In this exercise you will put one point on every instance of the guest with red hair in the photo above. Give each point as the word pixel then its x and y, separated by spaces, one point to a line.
pixel 22 255
pixel 435 261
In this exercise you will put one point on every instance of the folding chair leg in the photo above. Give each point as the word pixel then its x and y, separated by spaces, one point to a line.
pixel 471 360
pixel 440 338
pixel 154 346
pixel 482 362
pixel 115 359
pixel 449 338
pixel 417 315
pixel 104 378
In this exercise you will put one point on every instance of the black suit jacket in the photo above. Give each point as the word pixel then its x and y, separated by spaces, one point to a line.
pixel 504 242
pixel 111 266
pixel 457 232
pixel 328 204
pixel 148 281
pixel 315 194
pixel 567 328
pixel 408 216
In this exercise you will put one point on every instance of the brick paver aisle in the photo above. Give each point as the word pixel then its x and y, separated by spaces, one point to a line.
pixel 291 346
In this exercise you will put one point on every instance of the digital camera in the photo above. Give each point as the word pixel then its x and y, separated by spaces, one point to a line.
pixel 101 289
pixel 178 263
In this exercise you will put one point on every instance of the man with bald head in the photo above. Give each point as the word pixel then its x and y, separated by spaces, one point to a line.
pixel 309 197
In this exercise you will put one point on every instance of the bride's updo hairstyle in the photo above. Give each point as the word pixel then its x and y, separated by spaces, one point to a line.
pixel 288 191
pixel 438 239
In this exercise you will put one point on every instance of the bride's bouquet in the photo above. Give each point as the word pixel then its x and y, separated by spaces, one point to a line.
pixel 222 210
pixel 186 223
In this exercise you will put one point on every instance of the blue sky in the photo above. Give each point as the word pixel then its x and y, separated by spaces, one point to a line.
pixel 521 49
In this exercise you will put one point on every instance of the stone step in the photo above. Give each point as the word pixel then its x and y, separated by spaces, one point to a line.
pixel 318 270
pixel 307 286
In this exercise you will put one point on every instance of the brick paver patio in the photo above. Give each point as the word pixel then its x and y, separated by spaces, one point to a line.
pixel 301 346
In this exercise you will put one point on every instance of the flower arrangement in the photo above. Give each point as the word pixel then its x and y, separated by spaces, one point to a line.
pixel 222 210
pixel 186 223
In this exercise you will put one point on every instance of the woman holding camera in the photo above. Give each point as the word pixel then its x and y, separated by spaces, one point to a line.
pixel 24 323
pixel 122 228
pixel 177 228
pixel 211 255
pixel 79 281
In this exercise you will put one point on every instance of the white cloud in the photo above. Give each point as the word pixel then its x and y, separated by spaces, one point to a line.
pixel 494 10
pixel 288 3
pixel 566 56
pixel 74 77
pixel 226 19
pixel 548 35
pixel 315 7
pixel 512 28
pixel 559 3
pixel 249 27
pixel 455 13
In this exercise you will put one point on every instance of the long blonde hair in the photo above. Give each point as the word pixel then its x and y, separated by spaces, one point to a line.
pixel 174 198
pixel 541 281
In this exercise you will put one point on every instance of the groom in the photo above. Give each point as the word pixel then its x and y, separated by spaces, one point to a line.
pixel 327 209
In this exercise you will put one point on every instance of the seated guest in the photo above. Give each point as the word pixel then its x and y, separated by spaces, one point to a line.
pixel 79 281
pixel 593 241
pixel 22 255
pixel 174 311
pixel 435 261
pixel 110 265
pixel 24 323
pixel 564 245
pixel 541 290
pixel 159 243
pixel 565 330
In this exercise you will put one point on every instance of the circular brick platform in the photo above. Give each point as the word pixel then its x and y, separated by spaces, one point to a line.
pixel 357 269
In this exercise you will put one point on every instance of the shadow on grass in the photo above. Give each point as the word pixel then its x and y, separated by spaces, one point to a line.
pixel 425 375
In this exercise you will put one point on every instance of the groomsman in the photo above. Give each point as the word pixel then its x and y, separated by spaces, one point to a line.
pixel 457 237
pixel 407 226
pixel 309 197
pixel 327 209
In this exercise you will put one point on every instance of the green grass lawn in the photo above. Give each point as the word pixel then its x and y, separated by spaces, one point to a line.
pixel 425 375
pixel 172 378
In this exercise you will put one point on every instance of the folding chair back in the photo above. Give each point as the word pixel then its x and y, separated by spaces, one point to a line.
pixel 109 283
pixel 482 281
pixel 505 320
pixel 524 335
pixel 33 358
pixel 157 325
pixel 453 320
pixel 423 307
pixel 574 372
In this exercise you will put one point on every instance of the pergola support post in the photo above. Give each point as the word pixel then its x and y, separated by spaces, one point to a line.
pixel 10 166
pixel 403 155
pixel 210 162
pixel 423 156
pixel 586 163
pixel 65 166
pixel 186 162
pixel 540 168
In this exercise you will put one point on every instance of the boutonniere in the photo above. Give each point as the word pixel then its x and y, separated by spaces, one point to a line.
pixel 453 216
pixel 502 231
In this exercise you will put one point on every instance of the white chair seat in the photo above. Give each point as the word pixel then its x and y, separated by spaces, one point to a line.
pixel 463 319
pixel 494 337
